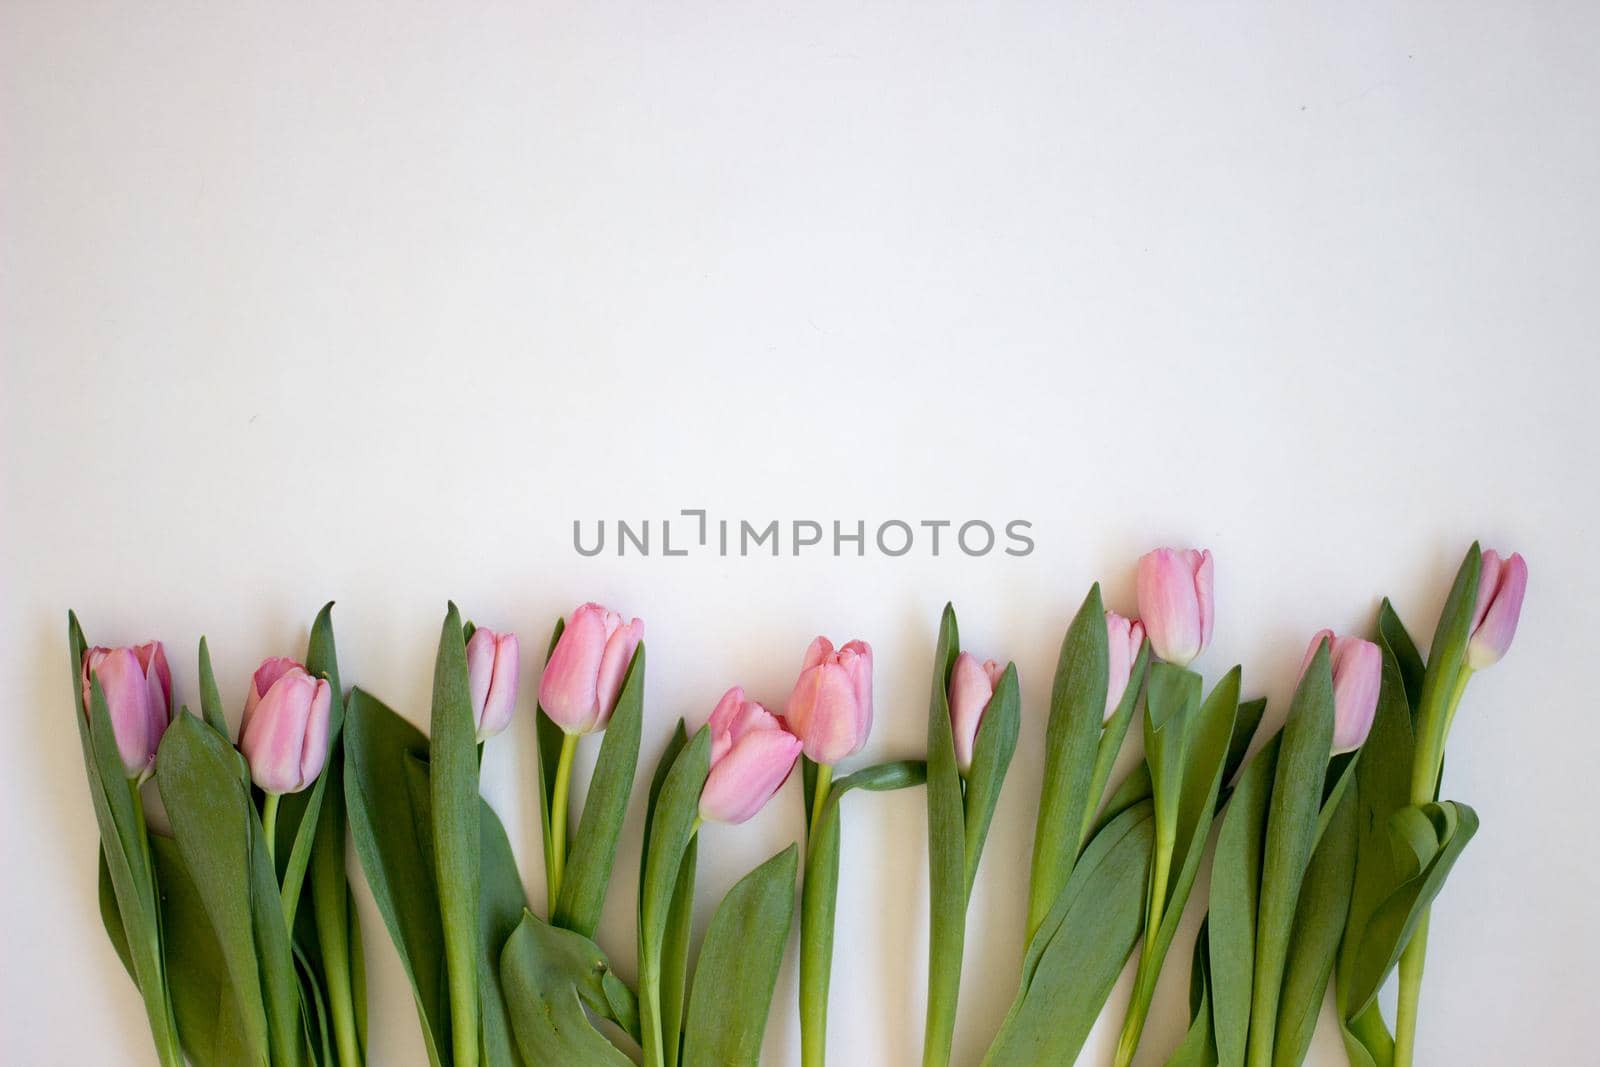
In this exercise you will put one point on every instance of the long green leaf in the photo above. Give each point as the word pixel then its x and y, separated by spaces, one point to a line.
pixel 738 967
pixel 550 976
pixel 210 697
pixel 947 905
pixel 992 750
pixel 594 849
pixel 1072 735
pixel 548 737
pixel 501 908
pixel 1235 897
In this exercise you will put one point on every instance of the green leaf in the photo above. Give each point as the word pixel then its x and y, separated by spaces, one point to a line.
pixel 1080 948
pixel 1298 778
pixel 1199 1046
pixel 210 698
pixel 1251 713
pixel 550 976
pixel 1072 735
pixel 1318 922
pixel 1111 739
pixel 1392 635
pixel 1235 897
pixel 1446 660
pixel 501 907
pixel 672 825
pixel 594 849
pixel 457 838
pixel 675 956
pixel 549 738
pixel 299 813
pixel 393 842
pixel 738 968
pixel 991 757
pixel 947 905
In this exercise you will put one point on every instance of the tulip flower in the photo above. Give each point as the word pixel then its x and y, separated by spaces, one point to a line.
pixel 1357 673
pixel 284 736
pixel 1175 602
pixel 1501 584
pixel 752 754
pixel 138 688
pixel 1124 637
pixel 971 687
pixel 830 708
pixel 492 660
pixel 584 674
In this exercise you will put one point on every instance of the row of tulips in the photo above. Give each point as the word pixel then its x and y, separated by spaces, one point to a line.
pixel 239 929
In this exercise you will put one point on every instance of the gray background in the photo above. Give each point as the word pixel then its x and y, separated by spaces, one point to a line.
pixel 371 301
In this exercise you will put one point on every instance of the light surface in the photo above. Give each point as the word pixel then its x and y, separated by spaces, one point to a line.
pixel 370 303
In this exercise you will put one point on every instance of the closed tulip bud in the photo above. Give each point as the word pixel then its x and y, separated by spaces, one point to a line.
pixel 584 674
pixel 492 663
pixel 751 756
pixel 1123 640
pixel 1501 584
pixel 971 688
pixel 284 736
pixel 1175 602
pixel 1357 673
pixel 830 708
pixel 138 688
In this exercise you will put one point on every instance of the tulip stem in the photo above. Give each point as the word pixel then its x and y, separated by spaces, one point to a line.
pixel 558 818
pixel 819 798
pixel 269 827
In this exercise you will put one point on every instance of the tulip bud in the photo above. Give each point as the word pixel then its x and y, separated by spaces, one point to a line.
pixel 971 687
pixel 584 674
pixel 492 660
pixel 1124 637
pixel 1175 602
pixel 1357 673
pixel 1501 584
pixel 284 736
pixel 751 757
pixel 138 688
pixel 830 708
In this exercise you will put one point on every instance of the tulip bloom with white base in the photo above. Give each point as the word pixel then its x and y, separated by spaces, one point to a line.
pixel 138 688
pixel 284 736
pixel 492 667
pixel 751 757
pixel 1501 585
pixel 830 708
pixel 1175 602
pixel 971 688
pixel 584 674
pixel 1124 637
pixel 1357 674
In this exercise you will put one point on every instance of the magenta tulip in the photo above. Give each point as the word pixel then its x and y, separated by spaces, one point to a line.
pixel 584 674
pixel 138 688
pixel 492 665
pixel 284 736
pixel 1501 584
pixel 1175 602
pixel 1357 673
pixel 751 756
pixel 830 708
pixel 1124 637
pixel 971 688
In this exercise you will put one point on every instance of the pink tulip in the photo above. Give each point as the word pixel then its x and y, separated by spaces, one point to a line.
pixel 138 688
pixel 830 708
pixel 492 663
pixel 584 674
pixel 1175 602
pixel 971 688
pixel 751 757
pixel 284 736
pixel 1124 637
pixel 1501 584
pixel 1357 673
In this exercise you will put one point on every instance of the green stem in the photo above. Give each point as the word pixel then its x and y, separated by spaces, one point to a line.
pixel 163 1024
pixel 816 923
pixel 819 799
pixel 269 827
pixel 558 818
pixel 1411 963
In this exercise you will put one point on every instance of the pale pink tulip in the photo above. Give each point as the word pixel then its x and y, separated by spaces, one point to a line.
pixel 1123 640
pixel 284 736
pixel 138 688
pixel 752 754
pixel 830 708
pixel 1175 602
pixel 1357 674
pixel 1501 585
pixel 583 676
pixel 971 688
pixel 492 666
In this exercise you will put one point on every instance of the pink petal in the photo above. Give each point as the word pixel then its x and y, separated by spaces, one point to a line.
pixel 567 689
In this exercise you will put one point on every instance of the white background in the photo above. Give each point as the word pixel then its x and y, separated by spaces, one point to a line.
pixel 371 302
